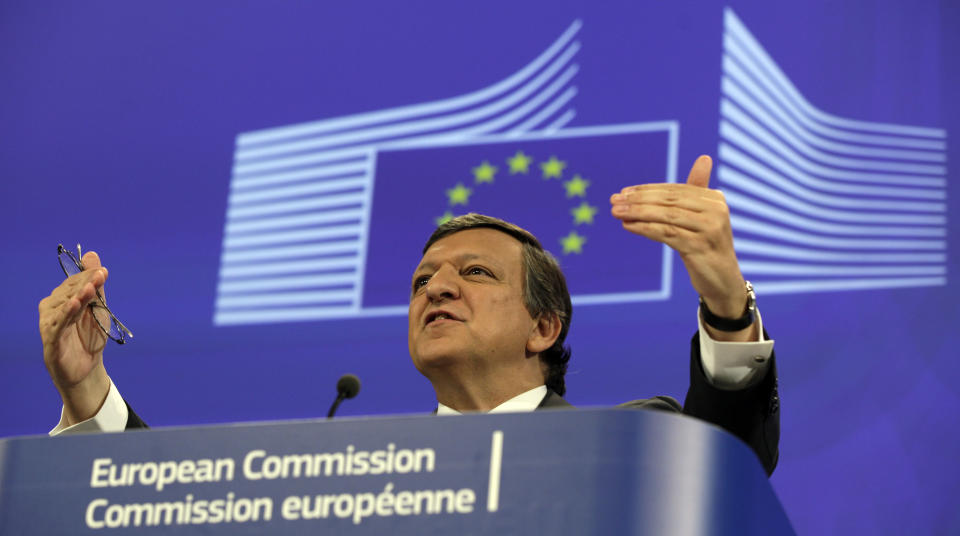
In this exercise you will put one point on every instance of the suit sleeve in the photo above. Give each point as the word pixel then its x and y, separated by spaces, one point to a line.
pixel 752 414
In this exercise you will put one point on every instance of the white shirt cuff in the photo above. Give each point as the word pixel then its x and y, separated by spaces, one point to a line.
pixel 112 417
pixel 734 365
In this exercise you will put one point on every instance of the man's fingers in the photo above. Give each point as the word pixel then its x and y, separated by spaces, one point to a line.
pixel 68 301
pixel 81 286
pixel 77 283
pixel 91 263
pixel 91 260
pixel 674 216
pixel 670 235
pixel 700 172
pixel 69 304
pixel 53 320
pixel 667 197
pixel 679 189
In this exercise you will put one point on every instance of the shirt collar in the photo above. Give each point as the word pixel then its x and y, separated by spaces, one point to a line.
pixel 527 401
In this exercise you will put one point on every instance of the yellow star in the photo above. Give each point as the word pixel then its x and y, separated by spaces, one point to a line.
pixel 519 163
pixel 583 214
pixel 447 216
pixel 576 187
pixel 553 167
pixel 484 172
pixel 573 243
pixel 459 194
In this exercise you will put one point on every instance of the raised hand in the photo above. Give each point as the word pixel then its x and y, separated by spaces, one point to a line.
pixel 73 341
pixel 695 221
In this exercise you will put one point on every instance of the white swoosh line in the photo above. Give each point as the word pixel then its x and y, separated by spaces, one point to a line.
pixel 852 284
pixel 782 172
pixel 419 126
pixel 287 252
pixel 311 265
pixel 768 249
pixel 737 30
pixel 296 205
pixel 762 209
pixel 302 314
pixel 560 122
pixel 299 220
pixel 289 298
pixel 545 113
pixel 740 89
pixel 338 231
pixel 748 185
pixel 768 229
pixel 253 168
pixel 415 110
pixel 287 282
pixel 773 268
pixel 505 119
pixel 299 190
pixel 737 60
pixel 763 132
pixel 301 174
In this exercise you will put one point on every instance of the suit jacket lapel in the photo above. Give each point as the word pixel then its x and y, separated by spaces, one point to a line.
pixel 554 401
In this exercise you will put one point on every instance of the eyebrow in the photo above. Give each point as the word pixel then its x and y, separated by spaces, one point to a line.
pixel 461 259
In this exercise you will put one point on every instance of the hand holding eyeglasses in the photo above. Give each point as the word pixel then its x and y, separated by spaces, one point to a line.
pixel 73 340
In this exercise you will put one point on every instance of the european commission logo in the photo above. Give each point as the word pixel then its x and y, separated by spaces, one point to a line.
pixel 327 219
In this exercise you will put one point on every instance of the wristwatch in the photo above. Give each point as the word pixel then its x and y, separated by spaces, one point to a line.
pixel 732 324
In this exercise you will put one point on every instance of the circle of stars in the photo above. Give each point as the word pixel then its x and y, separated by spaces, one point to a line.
pixel 521 164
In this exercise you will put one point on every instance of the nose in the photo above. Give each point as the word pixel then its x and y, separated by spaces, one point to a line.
pixel 443 285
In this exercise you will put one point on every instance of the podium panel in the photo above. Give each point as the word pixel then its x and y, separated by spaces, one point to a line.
pixel 549 472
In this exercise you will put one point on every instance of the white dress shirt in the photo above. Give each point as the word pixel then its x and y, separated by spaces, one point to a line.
pixel 526 401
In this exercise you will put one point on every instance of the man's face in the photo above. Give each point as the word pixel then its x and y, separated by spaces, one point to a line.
pixel 467 306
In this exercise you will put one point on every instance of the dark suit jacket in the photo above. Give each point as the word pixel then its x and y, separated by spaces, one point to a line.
pixel 751 414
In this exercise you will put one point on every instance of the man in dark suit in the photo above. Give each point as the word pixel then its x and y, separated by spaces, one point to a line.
pixel 489 312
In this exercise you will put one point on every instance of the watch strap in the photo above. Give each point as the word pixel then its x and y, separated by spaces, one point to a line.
pixel 731 324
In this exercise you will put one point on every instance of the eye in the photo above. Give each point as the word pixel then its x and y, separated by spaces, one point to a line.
pixel 419 282
pixel 478 270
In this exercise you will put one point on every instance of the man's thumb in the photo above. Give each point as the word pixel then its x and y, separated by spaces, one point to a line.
pixel 700 172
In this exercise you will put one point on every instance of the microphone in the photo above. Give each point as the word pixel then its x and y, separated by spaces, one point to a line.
pixel 347 387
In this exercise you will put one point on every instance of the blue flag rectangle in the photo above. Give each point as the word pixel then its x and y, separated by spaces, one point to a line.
pixel 556 185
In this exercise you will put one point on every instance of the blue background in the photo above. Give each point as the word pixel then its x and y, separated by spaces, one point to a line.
pixel 117 129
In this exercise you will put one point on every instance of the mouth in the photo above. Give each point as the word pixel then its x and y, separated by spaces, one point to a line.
pixel 438 316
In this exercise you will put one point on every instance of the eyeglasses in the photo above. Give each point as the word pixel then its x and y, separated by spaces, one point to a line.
pixel 109 323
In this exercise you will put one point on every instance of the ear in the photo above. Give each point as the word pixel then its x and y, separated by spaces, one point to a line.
pixel 544 333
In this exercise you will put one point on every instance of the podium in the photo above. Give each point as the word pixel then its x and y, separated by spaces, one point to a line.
pixel 585 472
